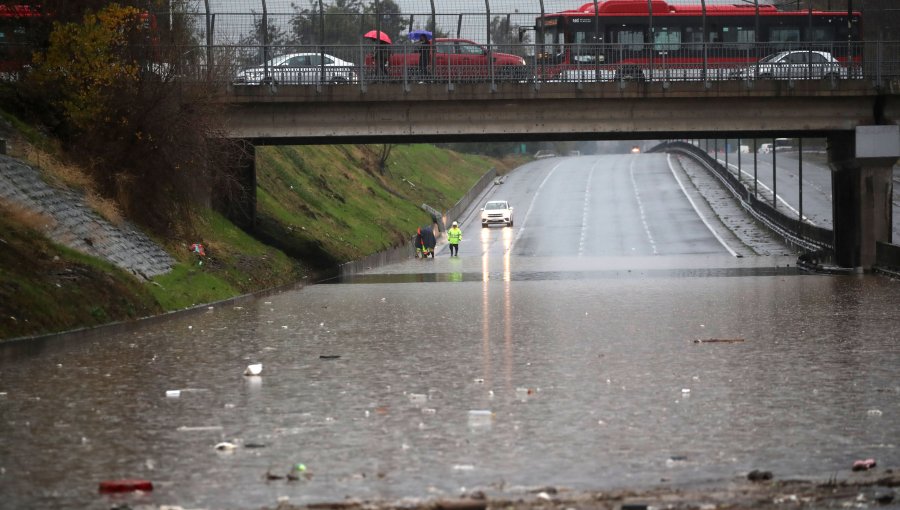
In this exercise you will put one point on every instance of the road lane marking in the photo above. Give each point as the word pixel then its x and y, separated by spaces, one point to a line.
pixel 584 214
pixel 637 195
pixel 531 206
pixel 703 218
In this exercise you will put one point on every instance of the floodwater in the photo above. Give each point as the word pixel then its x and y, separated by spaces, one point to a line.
pixel 441 377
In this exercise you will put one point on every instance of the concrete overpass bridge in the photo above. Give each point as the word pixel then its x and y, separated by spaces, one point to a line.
pixel 860 121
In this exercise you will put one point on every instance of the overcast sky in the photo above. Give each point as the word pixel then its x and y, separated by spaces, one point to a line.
pixel 446 6
pixel 233 19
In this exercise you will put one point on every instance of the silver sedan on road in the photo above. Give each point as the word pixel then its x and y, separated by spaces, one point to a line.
pixel 299 68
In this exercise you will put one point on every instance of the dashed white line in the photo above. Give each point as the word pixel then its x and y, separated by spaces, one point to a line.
pixel 637 195
pixel 531 206
pixel 584 214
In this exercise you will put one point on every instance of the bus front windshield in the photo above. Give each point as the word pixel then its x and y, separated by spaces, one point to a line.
pixel 552 40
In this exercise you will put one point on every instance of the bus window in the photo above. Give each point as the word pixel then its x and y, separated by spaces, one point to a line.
pixel 784 37
pixel 821 34
pixel 586 50
pixel 693 35
pixel 666 39
pixel 552 48
pixel 742 37
pixel 712 33
pixel 630 37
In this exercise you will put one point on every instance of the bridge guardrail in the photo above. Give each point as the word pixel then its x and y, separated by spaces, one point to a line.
pixel 878 65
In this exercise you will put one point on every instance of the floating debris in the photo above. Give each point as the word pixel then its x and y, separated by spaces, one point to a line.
pixel 718 340
pixel 126 485
pixel 864 465
pixel 481 418
pixel 255 369
pixel 759 476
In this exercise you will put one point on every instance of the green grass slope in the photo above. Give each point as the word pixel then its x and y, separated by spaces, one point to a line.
pixel 318 206
pixel 46 287
pixel 332 204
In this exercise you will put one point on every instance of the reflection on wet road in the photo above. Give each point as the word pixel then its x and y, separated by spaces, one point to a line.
pixel 519 364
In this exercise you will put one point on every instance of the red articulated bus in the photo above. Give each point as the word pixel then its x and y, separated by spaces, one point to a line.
pixel 656 40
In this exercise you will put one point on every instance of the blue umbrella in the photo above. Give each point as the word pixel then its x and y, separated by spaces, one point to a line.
pixel 415 34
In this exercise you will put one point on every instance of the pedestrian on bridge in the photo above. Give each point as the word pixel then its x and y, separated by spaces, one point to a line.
pixel 424 55
pixel 454 236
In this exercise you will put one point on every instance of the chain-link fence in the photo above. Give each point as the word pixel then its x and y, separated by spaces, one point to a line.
pixel 253 42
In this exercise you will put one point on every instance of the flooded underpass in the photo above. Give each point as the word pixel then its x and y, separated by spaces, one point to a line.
pixel 437 378
pixel 621 335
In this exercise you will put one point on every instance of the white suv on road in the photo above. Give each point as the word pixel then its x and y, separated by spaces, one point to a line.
pixel 496 211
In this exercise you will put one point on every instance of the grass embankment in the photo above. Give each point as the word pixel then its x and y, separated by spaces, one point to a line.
pixel 46 287
pixel 317 205
pixel 331 204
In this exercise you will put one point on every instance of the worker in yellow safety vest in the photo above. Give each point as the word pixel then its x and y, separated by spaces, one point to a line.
pixel 454 236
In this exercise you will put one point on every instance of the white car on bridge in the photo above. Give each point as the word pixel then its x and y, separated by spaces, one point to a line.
pixel 795 65
pixel 496 211
pixel 299 69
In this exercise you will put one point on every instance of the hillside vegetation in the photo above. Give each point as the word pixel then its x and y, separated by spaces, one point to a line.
pixel 94 115
pixel 318 206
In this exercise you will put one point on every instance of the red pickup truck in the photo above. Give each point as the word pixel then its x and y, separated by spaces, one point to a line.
pixel 456 59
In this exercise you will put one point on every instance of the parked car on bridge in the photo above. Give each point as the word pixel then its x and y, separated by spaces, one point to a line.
pixel 795 65
pixel 496 211
pixel 455 59
pixel 299 69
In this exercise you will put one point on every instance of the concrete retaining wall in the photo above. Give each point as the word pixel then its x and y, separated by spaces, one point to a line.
pixel 77 226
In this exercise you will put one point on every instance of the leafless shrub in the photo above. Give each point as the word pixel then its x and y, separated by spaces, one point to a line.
pixel 17 213
pixel 105 207
pixel 64 173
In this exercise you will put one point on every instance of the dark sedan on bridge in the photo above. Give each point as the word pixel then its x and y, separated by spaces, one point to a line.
pixel 795 65
pixel 300 69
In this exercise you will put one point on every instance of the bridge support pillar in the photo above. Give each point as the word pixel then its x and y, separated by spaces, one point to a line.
pixel 862 165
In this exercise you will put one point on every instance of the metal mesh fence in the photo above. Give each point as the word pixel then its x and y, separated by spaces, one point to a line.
pixel 246 39
pixel 363 41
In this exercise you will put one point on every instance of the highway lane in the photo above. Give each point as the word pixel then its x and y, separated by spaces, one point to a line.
pixel 604 205
pixel 816 183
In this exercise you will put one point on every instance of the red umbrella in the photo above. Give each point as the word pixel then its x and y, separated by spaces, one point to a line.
pixel 378 36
